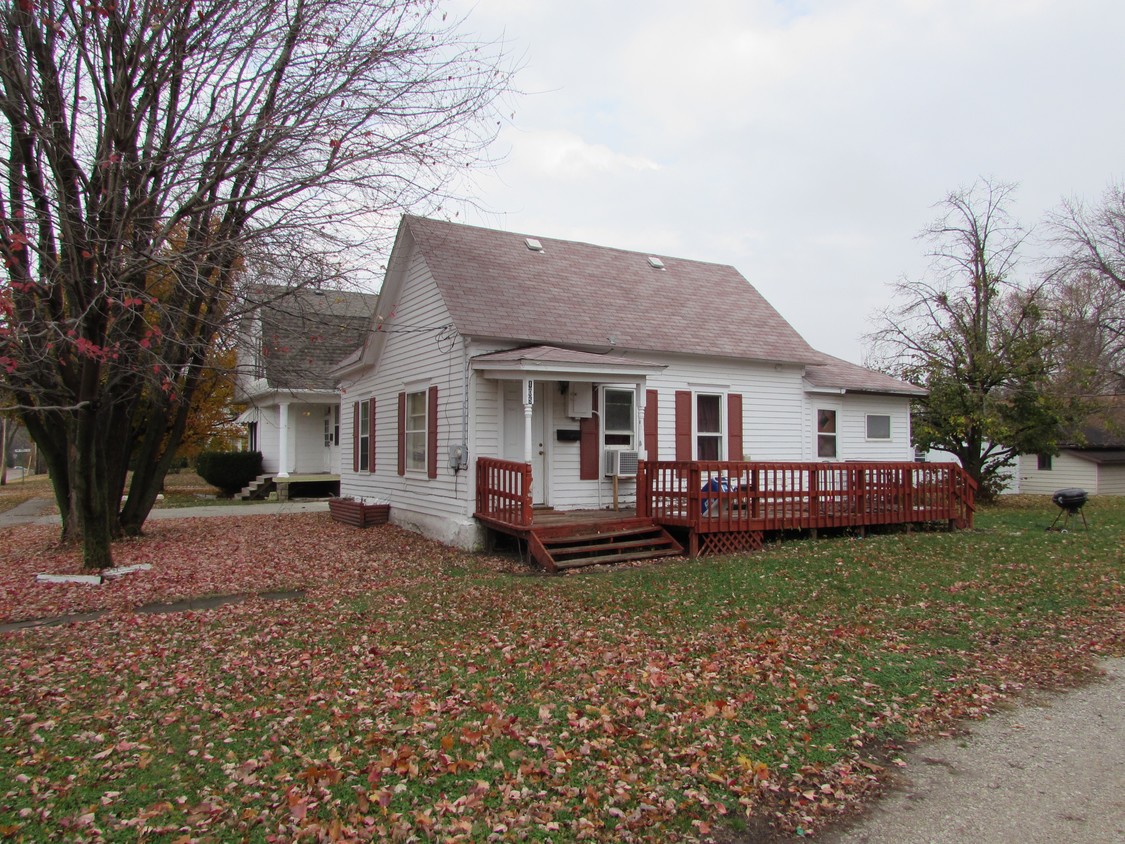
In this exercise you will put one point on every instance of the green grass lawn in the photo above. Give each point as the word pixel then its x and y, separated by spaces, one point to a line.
pixel 181 489
pixel 455 700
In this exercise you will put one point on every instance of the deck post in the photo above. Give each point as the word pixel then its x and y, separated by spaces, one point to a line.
pixel 643 504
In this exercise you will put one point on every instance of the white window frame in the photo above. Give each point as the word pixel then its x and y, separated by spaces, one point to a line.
pixel 607 432
pixel 867 427
pixel 411 434
pixel 834 434
pixel 364 435
pixel 723 427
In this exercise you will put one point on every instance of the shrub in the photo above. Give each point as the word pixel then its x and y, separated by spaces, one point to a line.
pixel 230 471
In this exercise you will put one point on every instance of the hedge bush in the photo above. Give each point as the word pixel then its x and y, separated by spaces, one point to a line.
pixel 230 471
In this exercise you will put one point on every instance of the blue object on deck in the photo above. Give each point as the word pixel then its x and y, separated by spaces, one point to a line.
pixel 713 485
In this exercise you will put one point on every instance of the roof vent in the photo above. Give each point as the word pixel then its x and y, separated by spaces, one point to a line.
pixel 533 244
pixel 655 263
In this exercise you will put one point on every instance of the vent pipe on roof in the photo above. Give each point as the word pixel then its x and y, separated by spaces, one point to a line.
pixel 655 263
pixel 533 244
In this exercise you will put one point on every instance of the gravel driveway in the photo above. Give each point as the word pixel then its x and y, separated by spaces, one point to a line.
pixel 1051 770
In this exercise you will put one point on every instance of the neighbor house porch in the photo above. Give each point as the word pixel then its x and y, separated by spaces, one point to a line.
pixel 727 506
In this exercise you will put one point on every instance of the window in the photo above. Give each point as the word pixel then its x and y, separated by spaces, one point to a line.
pixel 258 356
pixel 619 417
pixel 825 433
pixel 708 426
pixel 1045 463
pixel 416 430
pixel 327 431
pixel 878 427
pixel 336 425
pixel 364 434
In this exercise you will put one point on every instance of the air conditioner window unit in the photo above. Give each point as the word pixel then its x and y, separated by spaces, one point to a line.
pixel 621 464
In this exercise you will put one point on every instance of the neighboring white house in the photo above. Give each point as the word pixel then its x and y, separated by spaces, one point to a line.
pixel 288 344
pixel 1097 465
pixel 573 357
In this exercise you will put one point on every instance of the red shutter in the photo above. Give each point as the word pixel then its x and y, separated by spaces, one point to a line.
pixel 734 426
pixel 589 454
pixel 402 433
pixel 431 433
pixel 651 423
pixel 683 425
pixel 355 436
pixel 371 434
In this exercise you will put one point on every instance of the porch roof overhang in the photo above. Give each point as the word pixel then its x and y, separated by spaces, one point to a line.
pixel 558 364
pixel 274 396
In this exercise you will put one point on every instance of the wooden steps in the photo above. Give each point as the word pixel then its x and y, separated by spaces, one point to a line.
pixel 590 545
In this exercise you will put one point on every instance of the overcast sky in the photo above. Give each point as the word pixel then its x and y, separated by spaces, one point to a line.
pixel 806 143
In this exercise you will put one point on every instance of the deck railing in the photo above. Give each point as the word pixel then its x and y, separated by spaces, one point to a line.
pixel 504 491
pixel 731 496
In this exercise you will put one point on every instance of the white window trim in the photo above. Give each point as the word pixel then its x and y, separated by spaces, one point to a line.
pixel 406 431
pixel 364 433
pixel 817 434
pixel 634 436
pixel 867 428
pixel 724 428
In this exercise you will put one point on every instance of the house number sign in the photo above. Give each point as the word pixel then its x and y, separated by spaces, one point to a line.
pixel 528 392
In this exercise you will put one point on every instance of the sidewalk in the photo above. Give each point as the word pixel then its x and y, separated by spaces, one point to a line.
pixel 38 511
pixel 1050 770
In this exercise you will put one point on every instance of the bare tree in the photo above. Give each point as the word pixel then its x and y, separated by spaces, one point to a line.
pixel 1085 315
pixel 155 148
pixel 1093 239
pixel 972 335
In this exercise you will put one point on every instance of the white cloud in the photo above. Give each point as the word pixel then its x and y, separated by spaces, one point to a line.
pixel 558 154
pixel 803 141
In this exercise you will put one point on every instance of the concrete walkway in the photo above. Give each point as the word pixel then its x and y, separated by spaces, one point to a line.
pixel 1051 771
pixel 38 511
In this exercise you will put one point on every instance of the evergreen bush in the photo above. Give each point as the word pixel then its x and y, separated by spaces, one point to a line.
pixel 230 471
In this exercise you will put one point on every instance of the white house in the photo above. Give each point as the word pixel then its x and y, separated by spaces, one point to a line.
pixel 577 358
pixel 288 344
pixel 1093 461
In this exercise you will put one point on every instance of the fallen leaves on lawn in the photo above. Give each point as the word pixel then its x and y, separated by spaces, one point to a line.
pixel 419 693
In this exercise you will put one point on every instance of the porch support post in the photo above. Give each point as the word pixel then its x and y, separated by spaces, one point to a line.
pixel 528 404
pixel 283 440
pixel 639 400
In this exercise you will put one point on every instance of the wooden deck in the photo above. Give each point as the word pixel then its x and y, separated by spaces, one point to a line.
pixel 730 506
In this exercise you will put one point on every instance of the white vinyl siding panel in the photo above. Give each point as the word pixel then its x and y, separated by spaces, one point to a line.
pixel 1111 480
pixel 1066 471
pixel 851 425
pixel 772 404
pixel 412 359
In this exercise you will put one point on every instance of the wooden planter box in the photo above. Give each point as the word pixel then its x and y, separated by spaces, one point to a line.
pixel 358 514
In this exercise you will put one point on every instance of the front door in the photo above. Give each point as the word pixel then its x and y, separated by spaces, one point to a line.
pixel 513 448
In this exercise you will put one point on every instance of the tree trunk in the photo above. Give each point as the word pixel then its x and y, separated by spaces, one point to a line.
pixel 95 512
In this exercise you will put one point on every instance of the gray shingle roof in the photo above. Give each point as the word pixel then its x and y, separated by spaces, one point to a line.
pixel 840 374
pixel 576 294
pixel 306 332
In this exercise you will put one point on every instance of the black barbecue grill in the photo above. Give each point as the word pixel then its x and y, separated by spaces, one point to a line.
pixel 1070 503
